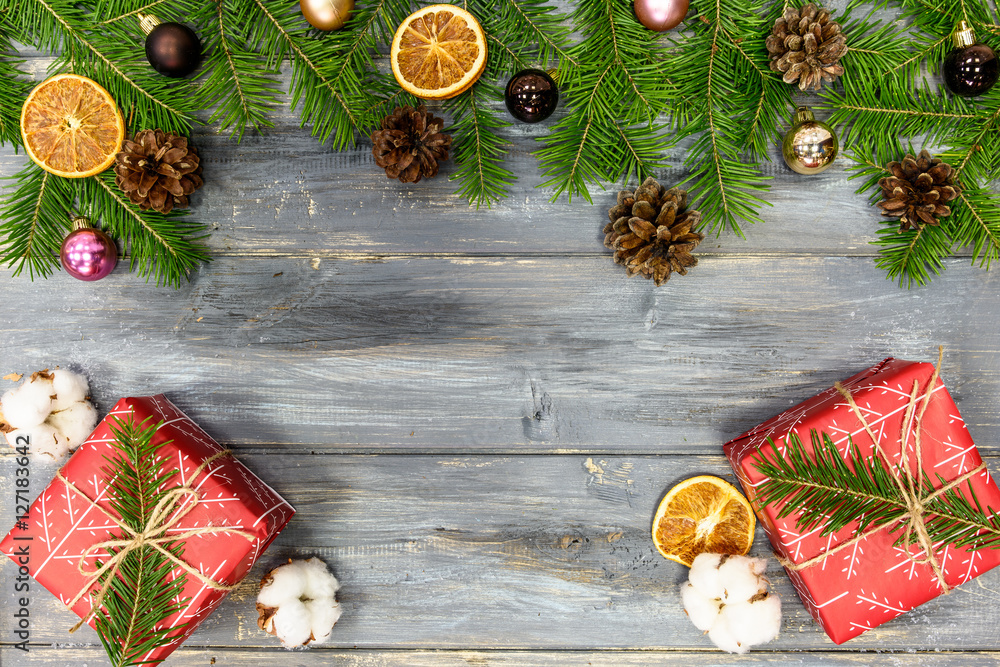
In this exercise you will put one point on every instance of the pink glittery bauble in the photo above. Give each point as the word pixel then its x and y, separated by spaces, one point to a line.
pixel 88 254
pixel 660 15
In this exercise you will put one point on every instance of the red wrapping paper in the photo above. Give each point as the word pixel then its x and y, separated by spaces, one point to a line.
pixel 61 524
pixel 871 581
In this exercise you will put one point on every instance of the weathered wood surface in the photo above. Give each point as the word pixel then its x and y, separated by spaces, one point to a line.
pixel 475 412
pixel 501 354
pixel 511 552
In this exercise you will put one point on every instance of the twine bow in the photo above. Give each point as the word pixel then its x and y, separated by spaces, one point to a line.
pixel 167 513
pixel 907 481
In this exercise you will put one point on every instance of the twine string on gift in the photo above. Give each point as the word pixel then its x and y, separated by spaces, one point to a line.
pixel 906 480
pixel 168 512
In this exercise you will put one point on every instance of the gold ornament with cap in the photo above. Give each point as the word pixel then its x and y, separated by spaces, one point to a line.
pixel 810 147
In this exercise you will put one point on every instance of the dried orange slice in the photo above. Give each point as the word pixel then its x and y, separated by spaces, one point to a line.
pixel 438 52
pixel 71 126
pixel 703 514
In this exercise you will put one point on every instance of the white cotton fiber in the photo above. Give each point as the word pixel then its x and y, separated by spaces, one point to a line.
pixel 701 609
pixel 28 404
pixel 738 578
pixel 325 612
pixel 69 388
pixel 319 582
pixel 287 582
pixel 293 623
pixel 47 444
pixel 704 575
pixel 76 422
pixel 722 636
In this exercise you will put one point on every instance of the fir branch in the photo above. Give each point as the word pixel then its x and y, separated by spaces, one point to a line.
pixel 732 106
pixel 166 247
pixel 618 84
pixel 242 93
pixel 36 218
pixel 479 150
pixel 143 594
pixel 830 490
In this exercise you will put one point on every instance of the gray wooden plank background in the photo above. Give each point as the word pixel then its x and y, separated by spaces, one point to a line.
pixel 475 412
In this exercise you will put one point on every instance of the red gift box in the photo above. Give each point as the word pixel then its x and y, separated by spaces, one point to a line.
pixel 62 525
pixel 869 582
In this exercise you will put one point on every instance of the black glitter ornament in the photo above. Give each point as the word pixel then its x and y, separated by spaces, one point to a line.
pixel 531 95
pixel 173 49
pixel 970 69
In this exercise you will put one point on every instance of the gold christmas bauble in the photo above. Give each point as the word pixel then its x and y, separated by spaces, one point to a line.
pixel 326 14
pixel 810 147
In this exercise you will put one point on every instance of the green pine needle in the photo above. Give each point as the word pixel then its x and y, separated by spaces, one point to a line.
pixel 35 219
pixel 142 595
pixel 830 491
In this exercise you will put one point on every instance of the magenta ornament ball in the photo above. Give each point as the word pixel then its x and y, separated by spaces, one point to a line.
pixel 660 15
pixel 88 254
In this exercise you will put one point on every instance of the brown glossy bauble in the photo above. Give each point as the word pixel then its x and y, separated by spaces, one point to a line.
pixel 810 147
pixel 326 14
pixel 971 68
pixel 660 15
pixel 173 49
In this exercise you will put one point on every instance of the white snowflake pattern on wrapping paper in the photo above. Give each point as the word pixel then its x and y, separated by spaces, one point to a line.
pixel 889 609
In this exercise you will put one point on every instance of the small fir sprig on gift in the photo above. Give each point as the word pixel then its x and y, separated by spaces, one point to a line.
pixel 141 594
pixel 829 491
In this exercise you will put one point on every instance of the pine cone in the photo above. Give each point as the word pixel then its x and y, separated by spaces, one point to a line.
pixel 806 46
pixel 917 191
pixel 650 231
pixel 158 170
pixel 410 144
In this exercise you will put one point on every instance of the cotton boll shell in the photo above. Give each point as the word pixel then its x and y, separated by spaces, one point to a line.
pixel 69 388
pixel 27 405
pixel 739 580
pixel 701 609
pixel 292 624
pixel 76 423
pixel 704 575
pixel 320 583
pixel 47 444
pixel 722 636
pixel 325 613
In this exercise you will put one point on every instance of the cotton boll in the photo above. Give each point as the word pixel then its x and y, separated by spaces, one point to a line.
pixel 296 602
pixel 28 404
pixel 76 422
pixel 293 624
pixel 69 388
pixel 47 444
pixel 722 636
pixel 748 614
pixel 739 579
pixel 704 575
pixel 701 609
pixel 325 613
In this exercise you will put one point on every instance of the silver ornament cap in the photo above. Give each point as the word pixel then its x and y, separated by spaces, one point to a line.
pixel 810 147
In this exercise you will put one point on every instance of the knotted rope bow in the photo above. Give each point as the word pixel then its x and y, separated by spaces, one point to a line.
pixel 167 513
pixel 907 481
